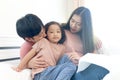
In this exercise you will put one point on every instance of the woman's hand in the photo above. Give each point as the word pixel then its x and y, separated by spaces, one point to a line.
pixel 74 57
pixel 37 62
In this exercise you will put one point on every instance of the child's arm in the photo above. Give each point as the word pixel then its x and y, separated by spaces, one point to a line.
pixel 25 60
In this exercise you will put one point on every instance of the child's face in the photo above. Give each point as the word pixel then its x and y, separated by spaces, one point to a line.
pixel 39 36
pixel 54 33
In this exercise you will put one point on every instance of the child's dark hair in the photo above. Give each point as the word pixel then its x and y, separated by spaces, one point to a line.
pixel 28 26
pixel 62 30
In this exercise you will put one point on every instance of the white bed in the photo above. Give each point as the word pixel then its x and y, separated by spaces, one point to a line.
pixel 111 62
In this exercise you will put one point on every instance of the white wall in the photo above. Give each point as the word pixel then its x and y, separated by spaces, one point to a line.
pixel 105 16
pixel 11 10
pixel 106 23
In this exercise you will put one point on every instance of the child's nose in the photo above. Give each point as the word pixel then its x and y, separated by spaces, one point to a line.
pixel 55 33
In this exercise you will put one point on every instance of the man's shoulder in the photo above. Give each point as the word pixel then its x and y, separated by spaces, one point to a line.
pixel 26 44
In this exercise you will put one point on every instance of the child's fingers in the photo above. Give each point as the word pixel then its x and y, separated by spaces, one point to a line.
pixel 16 69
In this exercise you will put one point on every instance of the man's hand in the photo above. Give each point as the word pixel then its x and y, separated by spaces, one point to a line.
pixel 37 62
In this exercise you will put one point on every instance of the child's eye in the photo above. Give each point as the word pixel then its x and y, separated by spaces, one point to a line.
pixel 58 31
pixel 51 32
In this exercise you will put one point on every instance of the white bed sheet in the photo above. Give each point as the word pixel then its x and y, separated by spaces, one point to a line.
pixel 110 62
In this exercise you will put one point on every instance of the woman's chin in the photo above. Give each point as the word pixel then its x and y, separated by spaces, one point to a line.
pixel 73 31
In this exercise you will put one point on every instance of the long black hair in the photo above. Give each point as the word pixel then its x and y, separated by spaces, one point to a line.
pixel 86 32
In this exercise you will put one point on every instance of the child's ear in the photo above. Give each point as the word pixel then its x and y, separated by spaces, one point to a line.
pixel 29 39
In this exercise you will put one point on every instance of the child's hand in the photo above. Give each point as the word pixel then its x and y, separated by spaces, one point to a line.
pixel 16 69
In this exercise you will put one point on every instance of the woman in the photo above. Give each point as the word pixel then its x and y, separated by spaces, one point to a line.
pixel 80 40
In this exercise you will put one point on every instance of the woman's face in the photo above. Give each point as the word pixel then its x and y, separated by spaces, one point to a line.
pixel 75 23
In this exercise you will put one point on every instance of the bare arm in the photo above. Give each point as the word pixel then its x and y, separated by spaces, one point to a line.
pixel 99 48
pixel 25 60
pixel 37 61
pixel 25 48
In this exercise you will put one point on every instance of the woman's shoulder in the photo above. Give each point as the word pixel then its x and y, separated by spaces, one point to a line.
pixel 97 39
pixel 98 42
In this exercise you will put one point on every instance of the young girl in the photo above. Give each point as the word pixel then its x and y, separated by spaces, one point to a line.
pixel 51 49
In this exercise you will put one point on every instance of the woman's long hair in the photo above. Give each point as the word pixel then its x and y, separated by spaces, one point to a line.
pixel 86 32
